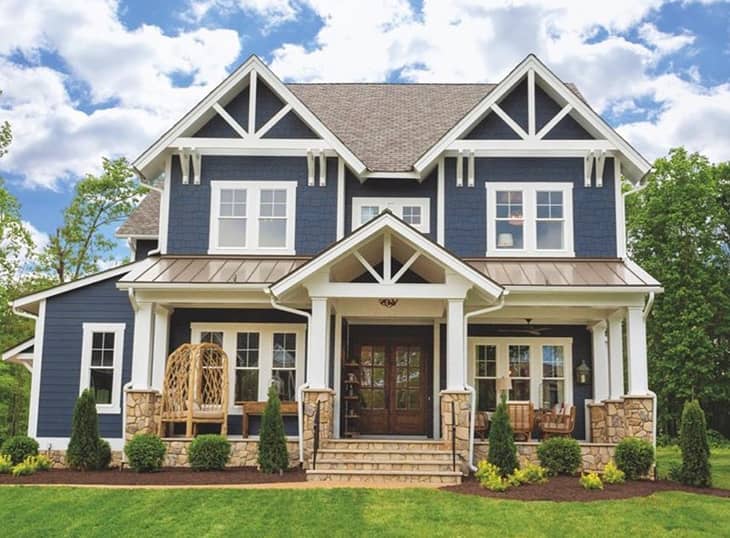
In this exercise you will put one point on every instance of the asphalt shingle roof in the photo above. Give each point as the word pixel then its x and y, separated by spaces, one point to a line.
pixel 144 220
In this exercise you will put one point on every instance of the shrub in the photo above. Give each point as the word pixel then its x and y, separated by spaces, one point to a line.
pixel 273 456
pixel 612 474
pixel 6 464
pixel 19 448
pixel 591 481
pixel 634 457
pixel 490 477
pixel 42 462
pixel 717 440
pixel 502 450
pixel 529 474
pixel 25 467
pixel 560 455
pixel 145 452
pixel 104 454
pixel 209 452
pixel 695 470
pixel 83 447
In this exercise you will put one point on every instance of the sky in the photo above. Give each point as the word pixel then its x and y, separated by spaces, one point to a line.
pixel 84 79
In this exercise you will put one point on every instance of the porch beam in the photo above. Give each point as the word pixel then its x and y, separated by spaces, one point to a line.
pixel 600 362
pixel 616 355
pixel 343 290
pixel 636 347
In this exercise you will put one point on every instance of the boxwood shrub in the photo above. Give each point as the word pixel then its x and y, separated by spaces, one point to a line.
pixel 634 457
pixel 145 452
pixel 560 455
pixel 20 447
pixel 209 452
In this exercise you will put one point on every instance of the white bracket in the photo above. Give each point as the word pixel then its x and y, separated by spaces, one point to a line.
pixel 600 161
pixel 197 161
pixel 185 165
pixel 322 169
pixel 470 170
pixel 460 169
pixel 310 168
pixel 588 168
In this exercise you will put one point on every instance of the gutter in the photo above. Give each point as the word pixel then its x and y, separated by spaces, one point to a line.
pixel 467 387
pixel 305 385
pixel 645 314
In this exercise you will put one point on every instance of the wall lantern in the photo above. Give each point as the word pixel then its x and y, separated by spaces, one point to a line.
pixel 583 373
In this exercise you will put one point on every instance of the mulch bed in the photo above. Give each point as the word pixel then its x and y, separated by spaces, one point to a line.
pixel 567 488
pixel 168 476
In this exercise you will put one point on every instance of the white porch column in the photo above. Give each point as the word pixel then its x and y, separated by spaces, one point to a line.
pixel 455 364
pixel 600 362
pixel 636 348
pixel 160 345
pixel 142 348
pixel 318 344
pixel 616 356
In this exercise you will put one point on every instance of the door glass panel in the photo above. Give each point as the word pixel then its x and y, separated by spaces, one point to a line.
pixel 378 399
pixel 378 377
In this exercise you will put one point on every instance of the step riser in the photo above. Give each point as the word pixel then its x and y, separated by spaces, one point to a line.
pixel 383 466
pixel 384 456
pixel 399 479
pixel 377 445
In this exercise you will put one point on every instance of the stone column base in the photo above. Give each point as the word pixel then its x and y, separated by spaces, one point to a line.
pixel 326 399
pixel 461 417
pixel 630 416
pixel 143 412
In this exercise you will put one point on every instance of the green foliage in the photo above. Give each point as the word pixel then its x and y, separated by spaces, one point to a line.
pixel 42 462
pixel 695 470
pixel 209 452
pixel 81 243
pixel 490 477
pixel 25 467
pixel 531 473
pixel 273 456
pixel 104 454
pixel 83 447
pixel 145 452
pixel 560 455
pixel 612 474
pixel 634 457
pixel 502 449
pixel 679 229
pixel 20 447
pixel 6 464
pixel 591 481
pixel 717 440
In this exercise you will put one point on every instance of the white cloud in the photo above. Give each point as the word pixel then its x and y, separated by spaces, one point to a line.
pixel 272 11
pixel 664 42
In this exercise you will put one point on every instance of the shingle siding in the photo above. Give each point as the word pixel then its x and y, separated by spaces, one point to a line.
pixel 62 341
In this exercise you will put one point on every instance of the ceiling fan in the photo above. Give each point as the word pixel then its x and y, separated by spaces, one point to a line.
pixel 527 329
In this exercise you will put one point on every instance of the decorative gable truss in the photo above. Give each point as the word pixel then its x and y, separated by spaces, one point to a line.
pixel 532 113
pixel 250 113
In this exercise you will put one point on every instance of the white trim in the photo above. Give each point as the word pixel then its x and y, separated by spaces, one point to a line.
pixel 84 382
pixel 165 206
pixel 502 344
pixel 531 102
pixel 253 192
pixel 18 350
pixel 396 206
pixel 35 380
pixel 322 169
pixel 266 127
pixel 340 198
pixel 337 382
pixel 620 210
pixel 137 237
pixel 436 379
pixel 554 121
pixel 266 351
pixel 440 203
pixel 557 147
pixel 61 443
pixel 470 169
pixel 223 113
pixel 529 206
pixel 509 121
pixel 252 79
pixel 391 175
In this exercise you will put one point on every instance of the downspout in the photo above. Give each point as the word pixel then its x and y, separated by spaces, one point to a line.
pixel 467 387
pixel 645 315
pixel 305 385
pixel 127 385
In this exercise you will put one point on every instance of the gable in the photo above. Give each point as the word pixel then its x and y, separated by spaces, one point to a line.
pixel 492 127
pixel 291 126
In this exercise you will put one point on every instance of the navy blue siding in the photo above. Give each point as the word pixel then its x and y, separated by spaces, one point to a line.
pixel 217 127
pixel 391 188
pixel 492 127
pixel 581 352
pixel 62 341
pixel 515 104
pixel 290 126
pixel 594 211
pixel 267 104
pixel 144 246
pixel 316 211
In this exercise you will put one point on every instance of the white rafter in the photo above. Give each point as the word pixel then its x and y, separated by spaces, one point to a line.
pixel 230 120
pixel 406 266
pixel 531 102
pixel 266 127
pixel 509 121
pixel 554 121
pixel 367 266
pixel 252 101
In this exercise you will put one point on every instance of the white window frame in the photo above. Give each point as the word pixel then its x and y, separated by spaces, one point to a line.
pixel 395 205
pixel 89 329
pixel 502 344
pixel 253 208
pixel 266 351
pixel 529 205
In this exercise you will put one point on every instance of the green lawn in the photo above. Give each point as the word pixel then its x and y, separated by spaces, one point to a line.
pixel 36 511
pixel 720 461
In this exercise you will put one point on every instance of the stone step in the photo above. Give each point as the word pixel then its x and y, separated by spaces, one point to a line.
pixel 412 477
pixel 383 465
pixel 392 455
pixel 385 444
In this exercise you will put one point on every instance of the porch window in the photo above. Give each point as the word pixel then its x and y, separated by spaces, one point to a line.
pixel 249 217
pixel 247 367
pixel 530 219
pixel 553 375
pixel 101 363
pixel 413 211
pixel 284 365
pixel 519 372
pixel 486 377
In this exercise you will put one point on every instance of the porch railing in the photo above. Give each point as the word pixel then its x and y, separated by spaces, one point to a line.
pixel 453 436
pixel 316 435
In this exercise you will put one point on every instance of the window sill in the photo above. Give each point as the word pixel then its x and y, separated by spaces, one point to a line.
pixel 108 409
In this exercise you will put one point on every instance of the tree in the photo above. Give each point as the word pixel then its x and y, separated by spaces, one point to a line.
pixel 677 230
pixel 84 446
pixel 79 245
pixel 273 456
pixel 695 470
pixel 502 449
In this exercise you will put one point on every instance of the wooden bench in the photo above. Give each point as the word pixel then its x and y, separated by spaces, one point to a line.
pixel 257 409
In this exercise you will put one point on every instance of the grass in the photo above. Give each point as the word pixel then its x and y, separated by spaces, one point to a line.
pixel 719 460
pixel 37 511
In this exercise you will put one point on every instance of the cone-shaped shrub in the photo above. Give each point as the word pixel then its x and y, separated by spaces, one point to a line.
pixel 273 456
pixel 695 469
pixel 83 447
pixel 502 450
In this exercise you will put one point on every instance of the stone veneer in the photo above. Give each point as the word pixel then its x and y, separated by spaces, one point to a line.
pixel 143 412
pixel 244 452
pixel 326 397
pixel 595 455
pixel 58 458
pixel 462 412
pixel 630 416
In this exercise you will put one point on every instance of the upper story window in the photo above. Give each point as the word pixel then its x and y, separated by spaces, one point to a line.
pixel 413 211
pixel 252 217
pixel 529 219
pixel 101 364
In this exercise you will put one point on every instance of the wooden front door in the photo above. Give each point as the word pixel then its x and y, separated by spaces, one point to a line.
pixel 394 379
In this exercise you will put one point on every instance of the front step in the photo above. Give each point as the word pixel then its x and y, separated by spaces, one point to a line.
pixel 416 477
pixel 384 465
pixel 384 444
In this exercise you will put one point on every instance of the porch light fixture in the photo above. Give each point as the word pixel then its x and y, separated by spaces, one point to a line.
pixel 388 303
pixel 505 240
pixel 583 373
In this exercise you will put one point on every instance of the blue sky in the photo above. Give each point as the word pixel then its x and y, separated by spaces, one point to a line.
pixel 84 79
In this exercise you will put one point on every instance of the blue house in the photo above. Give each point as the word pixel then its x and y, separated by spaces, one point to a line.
pixel 392 256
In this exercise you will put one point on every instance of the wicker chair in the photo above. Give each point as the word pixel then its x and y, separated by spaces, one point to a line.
pixel 195 388
pixel 522 418
pixel 559 422
pixel 481 424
